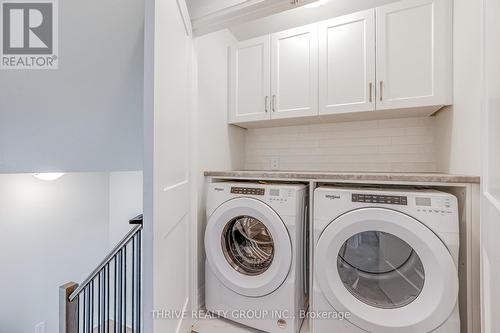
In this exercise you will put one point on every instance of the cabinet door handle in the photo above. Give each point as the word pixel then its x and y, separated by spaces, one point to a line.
pixel 274 103
pixel 265 103
pixel 371 91
pixel 381 95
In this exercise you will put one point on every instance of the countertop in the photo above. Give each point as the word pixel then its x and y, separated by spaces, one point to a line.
pixel 392 177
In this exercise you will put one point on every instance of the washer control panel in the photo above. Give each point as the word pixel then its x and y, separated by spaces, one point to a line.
pixel 380 199
pixel 248 190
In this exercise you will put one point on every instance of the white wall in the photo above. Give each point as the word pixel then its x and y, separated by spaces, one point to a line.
pixel 51 233
pixel 87 115
pixel 217 145
pixel 125 202
pixel 392 145
pixel 458 127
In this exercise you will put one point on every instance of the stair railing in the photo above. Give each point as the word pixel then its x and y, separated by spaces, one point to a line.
pixel 109 299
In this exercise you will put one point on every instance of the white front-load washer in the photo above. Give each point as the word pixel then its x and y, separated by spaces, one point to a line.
pixel 385 261
pixel 254 244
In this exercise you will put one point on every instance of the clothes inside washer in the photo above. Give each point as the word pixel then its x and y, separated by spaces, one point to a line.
pixel 248 245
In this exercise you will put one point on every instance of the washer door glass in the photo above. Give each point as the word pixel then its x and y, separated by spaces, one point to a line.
pixel 247 245
pixel 380 269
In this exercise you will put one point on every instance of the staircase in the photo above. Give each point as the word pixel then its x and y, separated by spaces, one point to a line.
pixel 109 299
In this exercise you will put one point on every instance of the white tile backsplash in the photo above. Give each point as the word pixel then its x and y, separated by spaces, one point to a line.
pixel 394 145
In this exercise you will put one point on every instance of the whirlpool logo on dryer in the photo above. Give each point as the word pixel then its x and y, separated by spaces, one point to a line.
pixel 332 196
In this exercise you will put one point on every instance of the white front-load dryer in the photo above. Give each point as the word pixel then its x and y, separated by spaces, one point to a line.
pixel 385 261
pixel 254 244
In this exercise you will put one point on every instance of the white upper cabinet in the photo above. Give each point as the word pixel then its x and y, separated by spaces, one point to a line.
pixel 414 54
pixel 347 63
pixel 249 98
pixel 294 73
pixel 390 61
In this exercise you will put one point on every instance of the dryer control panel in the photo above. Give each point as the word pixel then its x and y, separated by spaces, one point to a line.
pixel 380 199
pixel 248 190
pixel 422 204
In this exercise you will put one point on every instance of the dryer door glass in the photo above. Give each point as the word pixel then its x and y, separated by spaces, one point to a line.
pixel 380 269
pixel 247 245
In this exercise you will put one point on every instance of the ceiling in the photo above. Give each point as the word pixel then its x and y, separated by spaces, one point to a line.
pixel 200 8
pixel 212 15
pixel 251 18
pixel 299 16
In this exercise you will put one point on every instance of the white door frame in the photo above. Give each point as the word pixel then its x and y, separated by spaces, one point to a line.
pixel 166 189
pixel 490 182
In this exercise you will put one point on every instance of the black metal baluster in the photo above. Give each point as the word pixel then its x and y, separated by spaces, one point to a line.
pixel 139 266
pixel 119 288
pixel 84 310
pixel 88 309
pixel 125 289
pixel 92 306
pixel 107 297
pixel 99 303
pixel 103 297
pixel 132 314
pixel 104 290
pixel 115 296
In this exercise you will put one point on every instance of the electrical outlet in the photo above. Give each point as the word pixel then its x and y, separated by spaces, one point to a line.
pixel 40 327
pixel 275 163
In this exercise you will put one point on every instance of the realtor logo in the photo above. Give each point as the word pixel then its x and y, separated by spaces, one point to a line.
pixel 29 34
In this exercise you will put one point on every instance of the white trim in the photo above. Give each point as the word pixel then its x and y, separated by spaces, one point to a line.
pixel 171 187
pixel 183 10
pixel 186 322
pixel 492 200
pixel 148 173
pixel 194 176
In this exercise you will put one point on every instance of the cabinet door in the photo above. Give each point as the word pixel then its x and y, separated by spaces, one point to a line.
pixel 347 63
pixel 414 54
pixel 250 80
pixel 294 73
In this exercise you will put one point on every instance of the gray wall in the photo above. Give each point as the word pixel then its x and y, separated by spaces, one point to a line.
pixel 86 116
pixel 52 233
